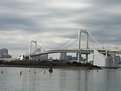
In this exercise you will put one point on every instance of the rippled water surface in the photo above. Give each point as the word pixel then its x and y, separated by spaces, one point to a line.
pixel 39 79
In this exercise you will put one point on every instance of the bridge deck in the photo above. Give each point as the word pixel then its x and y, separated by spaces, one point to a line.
pixel 82 51
pixel 88 51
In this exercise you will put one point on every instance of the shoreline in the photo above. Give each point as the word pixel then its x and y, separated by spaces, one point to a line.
pixel 47 67
pixel 46 64
pixel 57 67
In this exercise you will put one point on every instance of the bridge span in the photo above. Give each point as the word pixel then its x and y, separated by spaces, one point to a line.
pixel 81 51
pixel 106 54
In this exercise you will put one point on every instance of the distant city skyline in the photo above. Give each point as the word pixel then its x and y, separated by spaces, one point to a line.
pixel 52 22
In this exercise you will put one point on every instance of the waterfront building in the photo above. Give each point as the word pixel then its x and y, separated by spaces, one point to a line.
pixel 99 59
pixel 44 57
pixel 105 61
pixel 71 58
pixel 117 58
pixel 4 53
pixel 112 61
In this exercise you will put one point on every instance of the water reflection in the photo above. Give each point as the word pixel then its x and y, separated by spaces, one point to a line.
pixel 86 80
pixel 62 80
pixel 73 81
pixel 113 80
pixel 59 80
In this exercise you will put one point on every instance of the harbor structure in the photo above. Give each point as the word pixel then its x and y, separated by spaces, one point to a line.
pixel 4 53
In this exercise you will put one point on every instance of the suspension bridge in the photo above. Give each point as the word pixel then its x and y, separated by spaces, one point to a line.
pixel 103 54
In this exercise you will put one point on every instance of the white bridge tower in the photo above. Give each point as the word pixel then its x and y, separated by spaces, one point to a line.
pixel 87 44
pixel 30 45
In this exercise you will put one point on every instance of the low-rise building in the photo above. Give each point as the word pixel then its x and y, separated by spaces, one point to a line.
pixel 4 53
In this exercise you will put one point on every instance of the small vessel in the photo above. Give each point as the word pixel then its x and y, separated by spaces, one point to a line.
pixel 50 68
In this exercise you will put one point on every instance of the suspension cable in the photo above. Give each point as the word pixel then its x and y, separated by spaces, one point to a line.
pixel 93 38
pixel 72 43
pixel 66 41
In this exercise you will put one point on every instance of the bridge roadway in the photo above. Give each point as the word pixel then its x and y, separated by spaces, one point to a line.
pixel 82 51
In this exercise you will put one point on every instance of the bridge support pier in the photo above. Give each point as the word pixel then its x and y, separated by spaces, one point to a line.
pixel 86 58
pixel 79 56
pixel 79 53
pixel 87 46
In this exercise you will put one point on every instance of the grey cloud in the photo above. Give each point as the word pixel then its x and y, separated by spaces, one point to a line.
pixel 13 16
pixel 11 22
pixel 107 36
pixel 69 35
pixel 101 18
pixel 107 2
pixel 11 19
pixel 14 46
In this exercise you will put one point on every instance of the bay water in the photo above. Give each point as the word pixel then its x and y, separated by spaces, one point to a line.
pixel 71 79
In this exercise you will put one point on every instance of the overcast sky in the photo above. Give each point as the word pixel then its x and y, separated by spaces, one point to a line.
pixel 52 22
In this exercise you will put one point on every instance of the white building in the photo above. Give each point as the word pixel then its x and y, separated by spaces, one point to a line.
pixel 103 61
pixel 4 53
